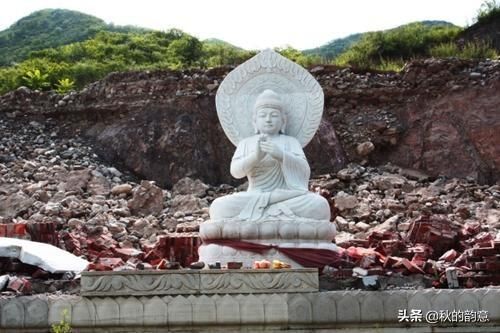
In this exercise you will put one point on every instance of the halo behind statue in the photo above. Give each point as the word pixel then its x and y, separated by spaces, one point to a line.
pixel 301 94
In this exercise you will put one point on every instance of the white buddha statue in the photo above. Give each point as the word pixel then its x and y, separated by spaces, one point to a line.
pixel 269 108
pixel 277 171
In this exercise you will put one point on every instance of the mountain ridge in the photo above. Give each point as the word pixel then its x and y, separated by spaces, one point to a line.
pixel 337 46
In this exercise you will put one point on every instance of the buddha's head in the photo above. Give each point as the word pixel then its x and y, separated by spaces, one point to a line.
pixel 269 115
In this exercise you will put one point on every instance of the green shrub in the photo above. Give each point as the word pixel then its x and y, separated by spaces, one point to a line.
pixel 35 79
pixel 298 56
pixel 387 49
pixel 65 85
pixel 478 50
pixel 444 50
pixel 489 10
pixel 219 54
pixel 472 50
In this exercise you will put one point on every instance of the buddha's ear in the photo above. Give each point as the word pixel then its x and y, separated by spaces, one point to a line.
pixel 255 129
pixel 254 122
pixel 283 125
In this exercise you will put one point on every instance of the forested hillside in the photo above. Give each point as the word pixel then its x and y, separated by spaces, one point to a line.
pixel 65 50
pixel 50 28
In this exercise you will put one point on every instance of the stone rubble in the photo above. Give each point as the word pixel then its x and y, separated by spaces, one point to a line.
pixel 392 225
pixel 391 221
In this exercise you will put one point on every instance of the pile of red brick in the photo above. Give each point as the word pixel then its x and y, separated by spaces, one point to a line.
pixel 456 255
pixel 40 232
pixel 453 255
pixel 104 253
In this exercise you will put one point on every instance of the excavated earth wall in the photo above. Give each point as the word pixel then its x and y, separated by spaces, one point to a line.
pixel 438 116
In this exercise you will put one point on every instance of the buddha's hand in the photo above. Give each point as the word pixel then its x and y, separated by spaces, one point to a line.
pixel 272 149
pixel 259 153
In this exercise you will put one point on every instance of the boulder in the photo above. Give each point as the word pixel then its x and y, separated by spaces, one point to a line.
pixel 147 199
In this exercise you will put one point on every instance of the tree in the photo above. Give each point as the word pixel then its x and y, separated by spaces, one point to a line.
pixel 185 51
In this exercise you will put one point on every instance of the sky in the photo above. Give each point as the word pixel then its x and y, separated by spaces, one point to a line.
pixel 258 24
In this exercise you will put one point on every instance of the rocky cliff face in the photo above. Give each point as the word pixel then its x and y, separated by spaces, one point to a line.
pixel 439 116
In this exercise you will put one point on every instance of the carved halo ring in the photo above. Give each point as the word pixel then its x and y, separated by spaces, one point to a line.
pixel 301 94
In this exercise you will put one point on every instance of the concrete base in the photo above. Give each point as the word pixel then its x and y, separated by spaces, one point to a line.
pixel 334 311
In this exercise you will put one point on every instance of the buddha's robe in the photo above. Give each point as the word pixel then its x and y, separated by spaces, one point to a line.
pixel 275 188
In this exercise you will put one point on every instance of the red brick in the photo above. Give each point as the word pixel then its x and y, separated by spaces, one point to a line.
pixel 111 262
pixel 127 253
pixel 449 255
pixel 182 248
pixel 482 251
pixel 71 243
pixel 390 261
pixel 411 267
pixel 483 239
pixel 101 242
pixel 20 285
pixel 99 267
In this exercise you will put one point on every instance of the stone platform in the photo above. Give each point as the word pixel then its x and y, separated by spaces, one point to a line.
pixel 332 311
pixel 227 281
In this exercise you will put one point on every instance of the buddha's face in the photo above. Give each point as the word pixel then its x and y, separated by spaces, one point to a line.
pixel 268 120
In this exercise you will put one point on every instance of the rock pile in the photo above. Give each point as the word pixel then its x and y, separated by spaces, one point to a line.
pixel 400 221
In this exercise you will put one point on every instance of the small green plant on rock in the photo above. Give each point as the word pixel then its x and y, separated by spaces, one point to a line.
pixel 65 85
pixel 63 326
pixel 34 79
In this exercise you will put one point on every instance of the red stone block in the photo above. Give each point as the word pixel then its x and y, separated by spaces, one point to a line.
pixel 98 267
pixel 45 232
pixel 390 247
pixel 153 255
pixel 419 259
pixel 101 242
pixel 483 239
pixel 111 262
pixel 436 230
pixel 360 252
pixel 182 248
pixel 411 267
pixel 391 261
pixel 449 255
pixel 482 252
pixel 471 229
pixel 128 252
pixel 14 230
pixel 19 284
pixel 40 274
pixel 39 232
pixel 162 264
pixel 71 243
